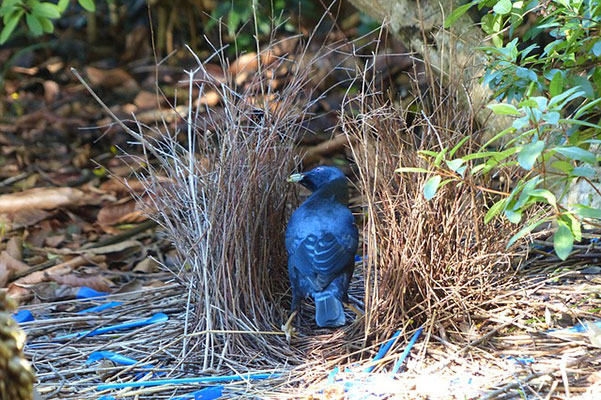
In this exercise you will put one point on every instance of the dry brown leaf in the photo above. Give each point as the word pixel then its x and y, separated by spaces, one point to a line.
pixel 145 100
pixel 208 99
pixel 4 274
pixel 147 266
pixel 248 62
pixel 21 287
pixel 51 91
pixel 44 198
pixel 111 78
pixel 12 263
pixel 96 282
pixel 22 219
pixel 14 247
pixel 120 214
pixel 122 185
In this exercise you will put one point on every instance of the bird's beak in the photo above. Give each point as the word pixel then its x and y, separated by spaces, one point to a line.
pixel 296 177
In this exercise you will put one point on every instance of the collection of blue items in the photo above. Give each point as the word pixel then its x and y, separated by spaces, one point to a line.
pixel 215 392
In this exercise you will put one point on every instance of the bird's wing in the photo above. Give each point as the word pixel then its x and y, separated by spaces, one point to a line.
pixel 320 258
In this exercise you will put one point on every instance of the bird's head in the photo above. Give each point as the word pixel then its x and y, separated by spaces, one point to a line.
pixel 318 177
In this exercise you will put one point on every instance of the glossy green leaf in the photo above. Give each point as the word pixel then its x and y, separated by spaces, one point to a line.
pixel 456 14
pixel 10 25
pixel 88 5
pixel 577 153
pixel 524 231
pixel 556 84
pixel 502 7
pixel 528 155
pixel 34 24
pixel 587 212
pixel 47 10
pixel 563 240
pixel 504 109
pixel 457 146
pixel 455 164
pixel 494 210
pixel 431 187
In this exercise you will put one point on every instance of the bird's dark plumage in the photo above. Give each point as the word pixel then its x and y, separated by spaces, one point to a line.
pixel 321 240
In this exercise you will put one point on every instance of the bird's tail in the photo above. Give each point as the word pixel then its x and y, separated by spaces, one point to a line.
pixel 329 312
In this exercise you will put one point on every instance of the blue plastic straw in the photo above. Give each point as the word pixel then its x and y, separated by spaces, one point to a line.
pixel 384 349
pixel 100 307
pixel 397 365
pixel 209 393
pixel 203 379
pixel 156 318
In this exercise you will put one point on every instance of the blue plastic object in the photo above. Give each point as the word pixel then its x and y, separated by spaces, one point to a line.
pixel 89 293
pixel 106 397
pixel 209 393
pixel 204 379
pixel 399 362
pixel 384 349
pixel 100 307
pixel 23 316
pixel 578 328
pixel 156 318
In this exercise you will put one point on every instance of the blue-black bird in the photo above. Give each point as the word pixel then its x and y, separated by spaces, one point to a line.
pixel 321 240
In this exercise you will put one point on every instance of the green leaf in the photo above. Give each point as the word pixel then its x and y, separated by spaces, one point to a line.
pixel 47 24
pixel 87 5
pixel 455 164
pixel 502 7
pixel 585 171
pixel 528 155
pixel 586 107
pixel 62 5
pixel 458 12
pixel 556 84
pixel 514 216
pixel 563 166
pixel 440 157
pixel 457 146
pixel 587 212
pixel 10 25
pixel 577 153
pixel 545 194
pixel 574 225
pixel 504 109
pixel 411 169
pixel 431 187
pixel 524 231
pixel 494 210
pixel 563 240
pixel 34 24
pixel 47 10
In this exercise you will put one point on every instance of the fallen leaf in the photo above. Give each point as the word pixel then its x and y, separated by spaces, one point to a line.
pixel 146 100
pixel 51 91
pixel 111 78
pixel 4 274
pixel 120 214
pixel 14 247
pixel 147 266
pixel 12 263
pixel 249 63
pixel 21 288
pixel 122 185
pixel 44 198
pixel 96 282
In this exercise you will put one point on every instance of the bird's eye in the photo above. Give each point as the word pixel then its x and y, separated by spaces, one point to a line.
pixel 318 169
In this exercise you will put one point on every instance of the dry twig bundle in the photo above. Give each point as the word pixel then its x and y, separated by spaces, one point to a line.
pixel 426 260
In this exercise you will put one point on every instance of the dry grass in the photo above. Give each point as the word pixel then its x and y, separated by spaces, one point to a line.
pixel 426 259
